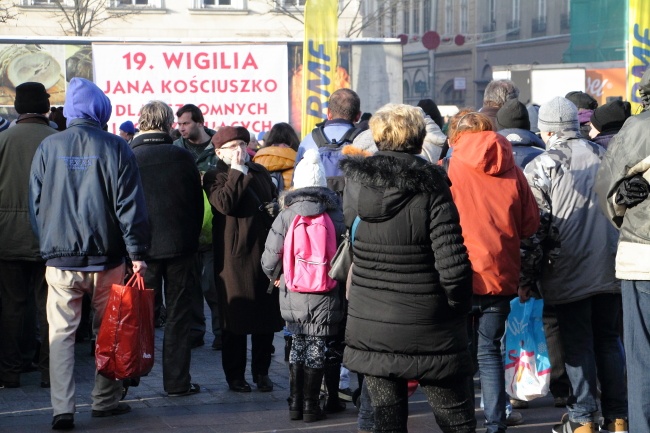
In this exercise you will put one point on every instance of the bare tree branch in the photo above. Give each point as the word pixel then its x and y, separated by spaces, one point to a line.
pixel 84 16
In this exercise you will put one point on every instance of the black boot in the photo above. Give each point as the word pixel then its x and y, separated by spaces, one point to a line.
pixel 296 384
pixel 333 404
pixel 311 410
pixel 287 347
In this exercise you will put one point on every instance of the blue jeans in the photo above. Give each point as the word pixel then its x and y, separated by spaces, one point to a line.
pixel 487 326
pixel 636 317
pixel 593 352
pixel 366 419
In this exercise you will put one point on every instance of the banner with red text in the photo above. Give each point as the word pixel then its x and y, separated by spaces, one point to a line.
pixel 638 48
pixel 237 85
pixel 319 60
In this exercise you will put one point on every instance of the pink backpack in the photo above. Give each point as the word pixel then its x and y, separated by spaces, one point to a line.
pixel 309 246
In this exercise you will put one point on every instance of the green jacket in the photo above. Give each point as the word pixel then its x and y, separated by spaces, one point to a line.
pixel 206 160
pixel 17 147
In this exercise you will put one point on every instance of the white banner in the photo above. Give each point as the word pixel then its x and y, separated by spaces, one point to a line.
pixel 237 85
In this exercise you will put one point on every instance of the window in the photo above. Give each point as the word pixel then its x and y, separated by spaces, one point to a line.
pixel 463 17
pixel 393 21
pixel 565 18
pixel 513 24
pixel 539 23
pixel 416 16
pixel 451 96
pixel 515 11
pixel 118 3
pixel 541 10
pixel 426 16
pixel 216 5
pixel 491 19
pixel 288 3
pixel 50 3
pixel 156 4
pixel 406 17
pixel 449 17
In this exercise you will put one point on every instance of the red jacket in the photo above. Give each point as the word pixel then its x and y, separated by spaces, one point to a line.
pixel 496 208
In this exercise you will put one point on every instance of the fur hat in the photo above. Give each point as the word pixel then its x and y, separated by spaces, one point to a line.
pixel 32 98
pixel 309 171
pixel 513 114
pixel 611 115
pixel 128 127
pixel 582 100
pixel 559 114
pixel 227 134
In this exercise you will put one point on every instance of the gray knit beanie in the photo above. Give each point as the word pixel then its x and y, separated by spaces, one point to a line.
pixel 559 114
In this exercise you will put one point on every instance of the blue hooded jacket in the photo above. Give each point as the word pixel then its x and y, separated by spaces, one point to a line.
pixel 86 201
pixel 525 145
pixel 84 100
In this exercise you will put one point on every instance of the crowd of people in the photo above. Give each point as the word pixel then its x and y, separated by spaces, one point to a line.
pixel 446 228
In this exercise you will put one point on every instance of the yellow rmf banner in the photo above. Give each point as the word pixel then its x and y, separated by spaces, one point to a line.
pixel 319 57
pixel 638 48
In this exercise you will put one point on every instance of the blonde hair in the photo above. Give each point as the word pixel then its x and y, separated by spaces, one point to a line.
pixel 398 127
pixel 467 120
pixel 156 116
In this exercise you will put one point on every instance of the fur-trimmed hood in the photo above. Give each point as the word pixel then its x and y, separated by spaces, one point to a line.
pixel 384 183
pixel 310 201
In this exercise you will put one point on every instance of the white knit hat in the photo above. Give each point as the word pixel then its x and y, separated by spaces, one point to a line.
pixel 309 171
pixel 559 114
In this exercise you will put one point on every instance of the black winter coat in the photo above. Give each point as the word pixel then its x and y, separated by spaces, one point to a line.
pixel 412 280
pixel 173 193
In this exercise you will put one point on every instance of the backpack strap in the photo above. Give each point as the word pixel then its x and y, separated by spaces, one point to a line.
pixel 350 135
pixel 318 134
pixel 321 140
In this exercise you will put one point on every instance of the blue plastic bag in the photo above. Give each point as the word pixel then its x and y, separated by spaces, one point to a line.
pixel 527 366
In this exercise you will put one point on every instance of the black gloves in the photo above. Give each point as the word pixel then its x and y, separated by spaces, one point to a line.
pixel 272 208
pixel 632 191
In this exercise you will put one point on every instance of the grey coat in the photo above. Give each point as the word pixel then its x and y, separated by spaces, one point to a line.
pixel 305 313
pixel 572 254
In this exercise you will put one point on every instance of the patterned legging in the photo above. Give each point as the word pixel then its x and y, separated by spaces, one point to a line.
pixel 308 350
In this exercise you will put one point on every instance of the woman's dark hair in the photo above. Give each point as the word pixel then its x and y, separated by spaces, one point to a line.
pixel 56 116
pixel 282 133
pixel 431 109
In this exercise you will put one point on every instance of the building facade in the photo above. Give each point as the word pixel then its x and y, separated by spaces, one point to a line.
pixel 472 36
pixel 465 38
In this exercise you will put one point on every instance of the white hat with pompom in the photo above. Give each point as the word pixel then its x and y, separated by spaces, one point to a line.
pixel 309 171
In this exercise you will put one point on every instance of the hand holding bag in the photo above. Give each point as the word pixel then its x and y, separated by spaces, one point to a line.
pixel 125 342
pixel 527 365
pixel 342 260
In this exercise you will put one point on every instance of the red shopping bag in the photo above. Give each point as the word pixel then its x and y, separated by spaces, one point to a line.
pixel 124 347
